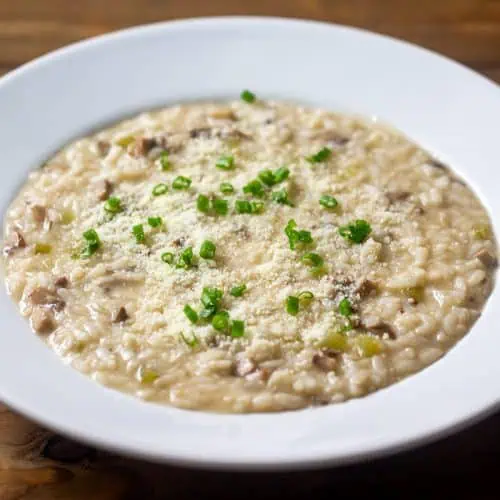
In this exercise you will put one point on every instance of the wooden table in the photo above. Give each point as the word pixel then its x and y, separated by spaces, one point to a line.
pixel 37 465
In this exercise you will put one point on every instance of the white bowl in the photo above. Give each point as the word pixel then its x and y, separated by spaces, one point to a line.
pixel 443 106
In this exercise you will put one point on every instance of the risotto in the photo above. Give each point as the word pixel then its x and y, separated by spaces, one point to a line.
pixel 248 256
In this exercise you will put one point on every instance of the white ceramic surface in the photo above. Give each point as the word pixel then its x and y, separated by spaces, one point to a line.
pixel 443 106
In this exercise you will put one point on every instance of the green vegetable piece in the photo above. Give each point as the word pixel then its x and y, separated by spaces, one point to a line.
pixel 210 297
pixel 243 207
pixel 147 376
pixel 356 232
pixel 267 177
pixel 221 321
pixel 185 258
pixel 256 207
pixel 67 217
pixel 181 182
pixel 248 96
pixel 227 188
pixel 305 298
pixel 113 205
pixel 160 189
pixel 281 197
pixel 138 232
pixel 254 188
pixel 345 307
pixel 312 259
pixel 335 340
pixel 237 328
pixel 43 248
pixel 125 141
pixel 155 221
pixel 203 203
pixel 292 305
pixel 92 243
pixel 368 345
pixel 190 313
pixel 207 250
pixel 321 156
pixel 294 236
pixel 281 174
pixel 328 201
pixel 168 258
pixel 225 162
pixel 164 161
pixel 238 291
pixel 317 272
pixel 192 342
pixel 221 207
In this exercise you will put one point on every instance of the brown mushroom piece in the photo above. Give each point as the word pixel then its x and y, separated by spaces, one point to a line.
pixel 17 241
pixel 103 148
pixel 61 282
pixel 376 326
pixel 42 320
pixel 144 145
pixel 485 257
pixel 365 288
pixel 42 296
pixel 120 316
pixel 201 133
pixel 324 361
pixel 104 189
pixel 397 196
pixel 38 212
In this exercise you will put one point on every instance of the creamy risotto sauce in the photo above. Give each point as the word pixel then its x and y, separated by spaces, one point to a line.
pixel 248 256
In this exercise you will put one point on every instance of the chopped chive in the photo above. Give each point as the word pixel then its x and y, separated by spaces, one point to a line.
pixel 221 321
pixel 267 177
pixel 320 156
pixel 203 203
pixel 305 297
pixel 295 236
pixel 248 96
pixel 281 174
pixel 292 305
pixel 193 342
pixel 211 296
pixel 237 328
pixel 92 243
pixel 138 232
pixel 164 161
pixel 155 221
pixel 147 376
pixel 328 201
pixel 281 197
pixel 227 188
pixel 207 250
pixel 160 189
pixel 345 307
pixel 113 205
pixel 181 182
pixel 243 207
pixel 238 291
pixel 225 162
pixel 167 257
pixel 255 188
pixel 185 258
pixel 43 248
pixel 312 259
pixel 220 207
pixel 256 207
pixel 355 232
pixel 190 313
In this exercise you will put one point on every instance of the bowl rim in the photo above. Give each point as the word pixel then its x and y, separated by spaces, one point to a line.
pixel 213 459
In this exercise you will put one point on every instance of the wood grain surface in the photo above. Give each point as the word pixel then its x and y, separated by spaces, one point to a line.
pixel 36 464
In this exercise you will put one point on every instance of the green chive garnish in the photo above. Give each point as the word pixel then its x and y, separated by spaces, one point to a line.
pixel 190 313
pixel 292 305
pixel 221 321
pixel 281 174
pixel 164 161
pixel 320 156
pixel 328 201
pixel 181 182
pixel 160 189
pixel 238 291
pixel 356 232
pixel 248 96
pixel 92 243
pixel 225 162
pixel 237 328
pixel 167 257
pixel 345 307
pixel 256 207
pixel 254 188
pixel 295 236
pixel 207 250
pixel 220 207
pixel 243 207
pixel 138 232
pixel 227 188
pixel 113 205
pixel 193 342
pixel 185 258
pixel 312 259
pixel 306 297
pixel 155 221
pixel 203 203
pixel 281 197
pixel 271 179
